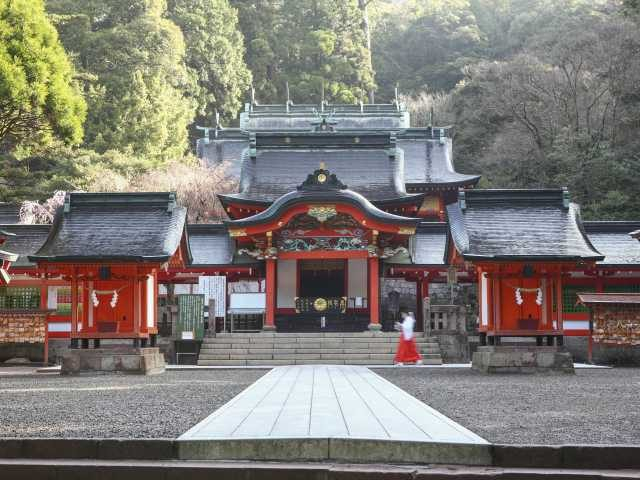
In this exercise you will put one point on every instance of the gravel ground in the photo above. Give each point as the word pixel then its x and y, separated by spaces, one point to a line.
pixel 592 406
pixel 110 406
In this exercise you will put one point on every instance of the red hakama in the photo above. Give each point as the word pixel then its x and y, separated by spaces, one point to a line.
pixel 407 351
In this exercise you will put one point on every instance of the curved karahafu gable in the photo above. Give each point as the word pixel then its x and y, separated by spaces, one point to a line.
pixel 144 226
pixel 322 188
pixel 519 225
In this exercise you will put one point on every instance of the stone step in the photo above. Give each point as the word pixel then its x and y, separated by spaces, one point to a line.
pixel 272 349
pixel 326 361
pixel 307 344
pixel 301 337
pixel 316 354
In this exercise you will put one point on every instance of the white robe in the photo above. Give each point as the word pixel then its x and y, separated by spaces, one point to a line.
pixel 407 327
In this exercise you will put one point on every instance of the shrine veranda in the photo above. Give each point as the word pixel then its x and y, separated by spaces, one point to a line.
pixel 276 317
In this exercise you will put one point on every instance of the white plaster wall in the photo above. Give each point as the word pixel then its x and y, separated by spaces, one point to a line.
pixel 286 288
pixel 357 278
pixel 484 308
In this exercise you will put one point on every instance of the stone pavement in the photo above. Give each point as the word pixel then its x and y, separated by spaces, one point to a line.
pixel 321 401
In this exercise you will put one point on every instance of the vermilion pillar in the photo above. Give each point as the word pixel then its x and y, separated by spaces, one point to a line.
pixel 374 293
pixel 270 292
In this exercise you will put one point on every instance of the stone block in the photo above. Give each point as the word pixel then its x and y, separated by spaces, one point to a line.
pixel 521 359
pixel 307 449
pixel 10 447
pixel 601 456
pixel 136 449
pixel 355 450
pixel 50 448
pixel 124 359
pixel 527 456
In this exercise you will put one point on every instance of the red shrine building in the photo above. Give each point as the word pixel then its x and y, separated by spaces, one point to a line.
pixel 332 202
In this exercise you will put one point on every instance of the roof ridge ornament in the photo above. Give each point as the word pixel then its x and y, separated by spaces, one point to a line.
pixel 322 179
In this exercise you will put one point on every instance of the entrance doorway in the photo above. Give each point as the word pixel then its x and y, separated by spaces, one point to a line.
pixel 323 278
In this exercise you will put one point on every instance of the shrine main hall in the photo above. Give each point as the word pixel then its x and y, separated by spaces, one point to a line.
pixel 333 203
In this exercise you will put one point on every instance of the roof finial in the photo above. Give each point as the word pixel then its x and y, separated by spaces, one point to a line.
pixel 218 126
pixel 396 96
pixel 286 86
pixel 253 94
pixel 322 97
pixel 322 166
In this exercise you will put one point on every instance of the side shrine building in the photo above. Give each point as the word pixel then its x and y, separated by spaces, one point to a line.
pixel 334 204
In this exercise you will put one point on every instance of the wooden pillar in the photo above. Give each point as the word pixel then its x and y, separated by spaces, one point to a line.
pixel 419 307
pixel 497 305
pixel 44 289
pixel 74 307
pixel 137 310
pixel 559 301
pixel 270 293
pixel 374 294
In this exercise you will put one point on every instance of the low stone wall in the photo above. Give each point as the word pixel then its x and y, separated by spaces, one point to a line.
pixel 22 334
pixel 454 346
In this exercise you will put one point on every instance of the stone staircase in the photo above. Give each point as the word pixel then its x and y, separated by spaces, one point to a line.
pixel 337 348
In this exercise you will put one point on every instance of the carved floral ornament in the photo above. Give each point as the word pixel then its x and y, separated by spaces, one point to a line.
pixel 322 213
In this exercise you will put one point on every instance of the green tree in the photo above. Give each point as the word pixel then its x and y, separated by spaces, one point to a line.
pixel 563 111
pixel 425 45
pixel 214 54
pixel 139 92
pixel 314 45
pixel 39 99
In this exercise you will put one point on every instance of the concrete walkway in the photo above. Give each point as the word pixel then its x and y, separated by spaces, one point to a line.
pixel 318 401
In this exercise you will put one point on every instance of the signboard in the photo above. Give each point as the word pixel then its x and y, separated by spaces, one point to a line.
pixel 190 317
pixel 214 288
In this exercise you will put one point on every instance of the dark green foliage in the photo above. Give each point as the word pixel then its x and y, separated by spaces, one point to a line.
pixel 137 86
pixel 214 55
pixel 312 44
pixel 39 100
pixel 562 111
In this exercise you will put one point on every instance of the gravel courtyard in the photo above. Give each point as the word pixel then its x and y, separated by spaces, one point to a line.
pixel 592 406
pixel 163 405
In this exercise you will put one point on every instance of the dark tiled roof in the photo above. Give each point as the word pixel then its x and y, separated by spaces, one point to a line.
pixel 429 162
pixel 211 245
pixel 227 147
pixel 9 213
pixel 371 170
pixel 614 241
pixel 626 298
pixel 300 117
pixel 430 244
pixel 115 226
pixel 308 192
pixel 518 224
pixel 26 240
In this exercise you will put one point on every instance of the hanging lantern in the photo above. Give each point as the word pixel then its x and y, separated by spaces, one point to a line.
pixel 94 299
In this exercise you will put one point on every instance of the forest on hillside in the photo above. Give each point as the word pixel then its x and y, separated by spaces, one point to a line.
pixel 106 94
